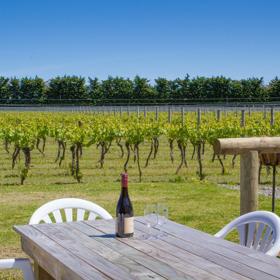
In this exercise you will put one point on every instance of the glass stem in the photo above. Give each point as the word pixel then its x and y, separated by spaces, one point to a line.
pixel 149 229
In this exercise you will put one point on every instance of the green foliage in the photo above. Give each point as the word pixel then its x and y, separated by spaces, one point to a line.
pixel 32 88
pixel 117 87
pixel 139 90
pixel 4 88
pixel 94 89
pixel 67 87
pixel 274 88
pixel 142 88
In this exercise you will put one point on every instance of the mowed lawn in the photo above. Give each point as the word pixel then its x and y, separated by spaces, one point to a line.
pixel 205 205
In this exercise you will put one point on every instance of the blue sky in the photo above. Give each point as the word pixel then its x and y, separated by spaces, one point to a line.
pixel 152 38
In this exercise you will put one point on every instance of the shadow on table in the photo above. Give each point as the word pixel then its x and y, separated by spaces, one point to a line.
pixel 103 236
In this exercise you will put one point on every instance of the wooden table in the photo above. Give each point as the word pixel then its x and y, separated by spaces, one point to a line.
pixel 89 250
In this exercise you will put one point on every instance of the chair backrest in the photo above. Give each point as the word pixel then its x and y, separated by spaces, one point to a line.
pixel 259 230
pixel 68 210
pixel 23 264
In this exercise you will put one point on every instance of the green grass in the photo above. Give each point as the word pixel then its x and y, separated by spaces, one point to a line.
pixel 204 205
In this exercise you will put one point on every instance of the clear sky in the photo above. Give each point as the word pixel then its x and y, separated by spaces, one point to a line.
pixel 152 38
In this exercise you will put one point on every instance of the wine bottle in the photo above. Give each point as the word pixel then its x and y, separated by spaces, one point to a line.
pixel 124 211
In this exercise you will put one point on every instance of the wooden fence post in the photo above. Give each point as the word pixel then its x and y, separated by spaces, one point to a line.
pixel 198 117
pixel 218 115
pixel 138 112
pixel 249 170
pixel 145 112
pixel 120 111
pixel 272 116
pixel 169 114
pixel 242 118
pixel 183 115
pixel 157 113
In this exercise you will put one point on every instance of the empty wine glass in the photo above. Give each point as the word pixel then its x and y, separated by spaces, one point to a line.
pixel 151 218
pixel 162 211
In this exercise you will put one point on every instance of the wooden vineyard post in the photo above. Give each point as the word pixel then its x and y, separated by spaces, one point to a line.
pixel 218 115
pixel 138 111
pixel 249 172
pixel 242 118
pixel 198 118
pixel 145 112
pixel 169 114
pixel 157 113
pixel 183 115
pixel 249 149
pixel 272 116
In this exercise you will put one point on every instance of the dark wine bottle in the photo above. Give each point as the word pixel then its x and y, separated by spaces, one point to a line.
pixel 124 211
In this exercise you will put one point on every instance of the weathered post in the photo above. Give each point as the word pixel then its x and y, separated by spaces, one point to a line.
pixel 183 115
pixel 198 117
pixel 218 115
pixel 242 118
pixel 249 172
pixel 157 113
pixel 145 112
pixel 248 148
pixel 272 116
pixel 138 112
pixel 169 114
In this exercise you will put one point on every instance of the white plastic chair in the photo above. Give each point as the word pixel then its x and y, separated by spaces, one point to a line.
pixel 23 264
pixel 259 230
pixel 56 208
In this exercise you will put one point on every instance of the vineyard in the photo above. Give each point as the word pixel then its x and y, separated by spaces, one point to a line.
pixel 74 134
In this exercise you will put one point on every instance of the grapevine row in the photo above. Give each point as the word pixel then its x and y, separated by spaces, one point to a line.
pixel 21 133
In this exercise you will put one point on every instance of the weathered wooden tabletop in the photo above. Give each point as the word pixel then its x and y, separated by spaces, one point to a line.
pixel 89 250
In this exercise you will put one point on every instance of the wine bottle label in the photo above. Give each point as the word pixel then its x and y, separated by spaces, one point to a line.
pixel 128 225
pixel 124 225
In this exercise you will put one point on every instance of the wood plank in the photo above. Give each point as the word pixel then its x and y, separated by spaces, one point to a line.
pixel 118 245
pixel 61 236
pixel 219 244
pixel 232 146
pixel 211 240
pixel 93 252
pixel 56 260
pixel 239 263
pixel 188 257
pixel 132 245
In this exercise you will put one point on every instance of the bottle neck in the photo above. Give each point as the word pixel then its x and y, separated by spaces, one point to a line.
pixel 124 191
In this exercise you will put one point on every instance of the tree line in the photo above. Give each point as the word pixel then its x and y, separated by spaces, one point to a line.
pixel 118 90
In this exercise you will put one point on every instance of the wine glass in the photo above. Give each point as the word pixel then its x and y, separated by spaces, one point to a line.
pixel 162 211
pixel 151 218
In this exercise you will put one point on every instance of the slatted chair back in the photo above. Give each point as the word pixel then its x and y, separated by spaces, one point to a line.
pixel 258 230
pixel 68 210
pixel 23 264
